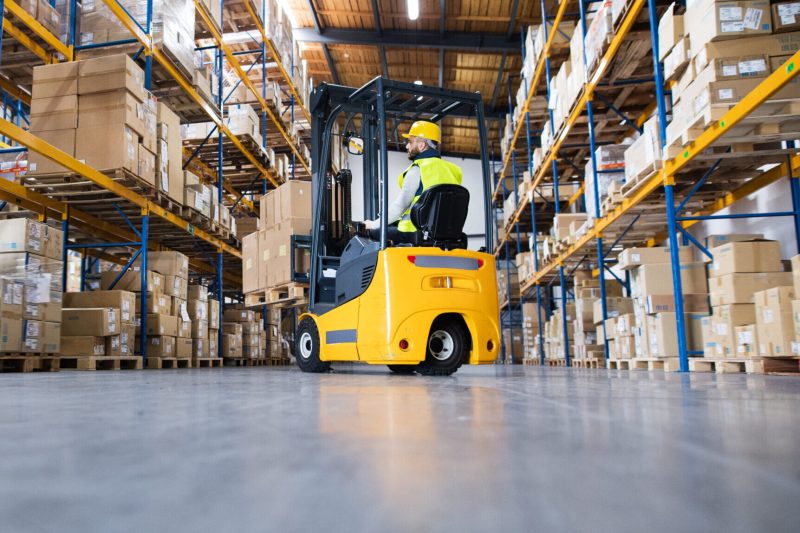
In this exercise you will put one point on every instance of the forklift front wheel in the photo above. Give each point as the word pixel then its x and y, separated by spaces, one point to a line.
pixel 307 347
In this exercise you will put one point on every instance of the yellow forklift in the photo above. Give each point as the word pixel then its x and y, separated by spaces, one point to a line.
pixel 426 307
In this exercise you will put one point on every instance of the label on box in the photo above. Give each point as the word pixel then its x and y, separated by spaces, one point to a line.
pixel 31 344
pixel 722 328
pixel 184 312
pixel 730 70
pixel 727 13
pixel 752 18
pixel 32 310
pixel 787 20
pixel 769 316
pixel 731 27
pixel 31 329
pixel 112 319
pixel 125 310
pixel 745 337
pixel 725 94
pixel 114 343
pixel 282 250
pixel 635 258
pixel 795 348
pixel 39 292
pixel 753 66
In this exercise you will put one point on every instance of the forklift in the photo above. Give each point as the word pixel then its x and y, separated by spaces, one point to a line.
pixel 425 307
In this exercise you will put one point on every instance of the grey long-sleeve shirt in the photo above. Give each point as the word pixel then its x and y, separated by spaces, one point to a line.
pixel 411 184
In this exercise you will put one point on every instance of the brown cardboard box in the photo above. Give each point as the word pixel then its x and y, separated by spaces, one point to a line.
pixel 167 263
pixel 746 340
pixel 11 298
pixel 663 334
pixel 739 288
pixel 795 273
pixel 213 345
pixel 53 243
pixel 712 241
pixel 197 310
pixel 200 348
pixel 657 279
pixel 294 200
pixel 233 328
pixel 158 303
pixel 131 281
pixel 64 140
pixel 624 325
pixel 268 210
pixel 48 17
pixel 277 258
pixel 82 346
pixel 198 292
pixel 49 311
pixel 109 73
pixel 107 147
pixel 238 315
pixel 125 301
pixel 261 265
pixel 22 235
pixel 58 79
pixel 665 303
pixel 57 113
pixel 176 286
pixel 213 314
pixel 110 109
pixel 769 45
pixel 185 328
pixel 95 322
pixel 10 334
pixel 199 329
pixel 150 134
pixel 162 325
pixel 122 344
pixel 710 20
pixel 624 347
pixel 774 321
pixel 231 345
pixel 708 336
pixel 725 320
pixel 147 165
pixel 160 346
pixel 178 307
pixel 250 264
pixel 630 258
pixel 183 348
pixel 251 328
pixel 745 256
pixel 250 340
pixel 41 337
pixel 670 31
pixel 254 352
pixel 785 16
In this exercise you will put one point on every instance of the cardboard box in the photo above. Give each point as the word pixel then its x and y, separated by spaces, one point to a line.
pixel 725 320
pixel 233 328
pixel 745 256
pixel 125 301
pixel 108 147
pixel 624 347
pixel 198 292
pixel 11 298
pixel 53 243
pixel 709 20
pixel 162 325
pixel 795 273
pixel 41 337
pixel 200 348
pixel 199 329
pixel 630 258
pixel 49 311
pixel 176 286
pixel 663 334
pixel 48 17
pixel 739 288
pixel 657 279
pixel 10 334
pixel 178 307
pixel 147 165
pixel 22 235
pixel 250 264
pixel 56 113
pixel 276 257
pixel 157 303
pixel 786 16
pixel 95 322
pixel 171 132
pixel 251 328
pixel 712 241
pixel 214 345
pixel 83 345
pixel 197 310
pixel 109 73
pixel 131 281
pixel 160 346
pixel 774 321
pixel 625 325
pixel 670 31
pixel 183 348
pixel 231 345
pixel 213 314
pixel 184 328
pixel 58 79
pixel 746 340
pixel 110 109
pixel 238 315
pixel 167 263
pixel 665 303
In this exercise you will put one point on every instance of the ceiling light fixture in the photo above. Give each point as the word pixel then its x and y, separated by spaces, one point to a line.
pixel 413 9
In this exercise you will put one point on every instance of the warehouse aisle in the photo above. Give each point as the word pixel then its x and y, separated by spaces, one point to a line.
pixel 492 448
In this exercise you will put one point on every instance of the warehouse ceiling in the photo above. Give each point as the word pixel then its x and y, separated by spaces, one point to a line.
pixel 467 45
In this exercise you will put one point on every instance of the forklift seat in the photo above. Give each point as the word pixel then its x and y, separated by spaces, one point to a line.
pixel 439 215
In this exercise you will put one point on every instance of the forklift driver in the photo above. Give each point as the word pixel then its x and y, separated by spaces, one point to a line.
pixel 426 170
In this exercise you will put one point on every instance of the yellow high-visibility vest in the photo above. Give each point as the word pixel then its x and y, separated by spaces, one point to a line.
pixel 433 171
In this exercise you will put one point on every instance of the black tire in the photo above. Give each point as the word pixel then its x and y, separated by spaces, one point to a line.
pixel 447 348
pixel 403 369
pixel 307 348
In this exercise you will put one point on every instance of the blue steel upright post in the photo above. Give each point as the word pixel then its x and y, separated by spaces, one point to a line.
pixel 220 154
pixel 143 286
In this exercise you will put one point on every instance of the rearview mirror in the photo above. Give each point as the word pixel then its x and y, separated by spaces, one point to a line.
pixel 355 146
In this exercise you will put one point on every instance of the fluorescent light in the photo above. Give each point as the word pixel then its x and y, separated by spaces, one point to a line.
pixel 417 82
pixel 413 9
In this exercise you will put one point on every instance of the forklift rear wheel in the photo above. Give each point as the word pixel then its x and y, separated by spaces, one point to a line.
pixel 307 347
pixel 403 369
pixel 447 348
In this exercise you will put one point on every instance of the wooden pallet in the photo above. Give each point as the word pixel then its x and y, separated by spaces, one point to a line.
pixel 287 295
pixel 719 366
pixel 206 362
pixel 663 364
pixel 773 365
pixel 278 361
pixel 242 361
pixel 588 363
pixel 28 363
pixel 555 362
pixel 534 361
pixel 101 362
pixel 164 363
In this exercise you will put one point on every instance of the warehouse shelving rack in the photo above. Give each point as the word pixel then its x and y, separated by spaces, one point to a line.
pixel 106 212
pixel 684 178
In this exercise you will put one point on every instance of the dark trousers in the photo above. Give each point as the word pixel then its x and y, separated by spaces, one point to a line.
pixel 393 234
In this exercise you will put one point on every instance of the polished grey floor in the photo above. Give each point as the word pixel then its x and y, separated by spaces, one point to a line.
pixel 490 449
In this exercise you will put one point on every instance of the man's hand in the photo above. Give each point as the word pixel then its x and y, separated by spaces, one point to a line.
pixel 372 224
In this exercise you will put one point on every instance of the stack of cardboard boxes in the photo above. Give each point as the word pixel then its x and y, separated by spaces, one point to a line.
pixel 98 323
pixel 31 288
pixel 274 346
pixel 267 259
pixel 243 336
pixel 588 333
pixel 507 283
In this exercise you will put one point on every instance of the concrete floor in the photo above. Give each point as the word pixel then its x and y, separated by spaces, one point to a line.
pixel 490 449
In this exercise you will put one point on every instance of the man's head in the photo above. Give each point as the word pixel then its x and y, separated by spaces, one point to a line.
pixel 422 136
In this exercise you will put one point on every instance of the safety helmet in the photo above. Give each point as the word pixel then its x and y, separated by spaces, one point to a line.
pixel 425 130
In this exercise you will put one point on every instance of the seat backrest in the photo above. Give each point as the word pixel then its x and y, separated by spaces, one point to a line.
pixel 440 213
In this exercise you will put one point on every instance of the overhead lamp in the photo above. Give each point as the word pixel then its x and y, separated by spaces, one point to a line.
pixel 413 9
pixel 417 82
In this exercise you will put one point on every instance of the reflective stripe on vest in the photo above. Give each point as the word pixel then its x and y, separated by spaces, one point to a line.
pixel 433 171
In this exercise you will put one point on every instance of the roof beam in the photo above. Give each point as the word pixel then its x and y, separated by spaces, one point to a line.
pixel 496 90
pixel 376 15
pixel 384 63
pixel 315 16
pixel 441 67
pixel 513 22
pixel 331 65
pixel 442 11
pixel 475 42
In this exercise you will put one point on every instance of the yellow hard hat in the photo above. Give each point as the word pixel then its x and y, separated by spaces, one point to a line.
pixel 425 130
